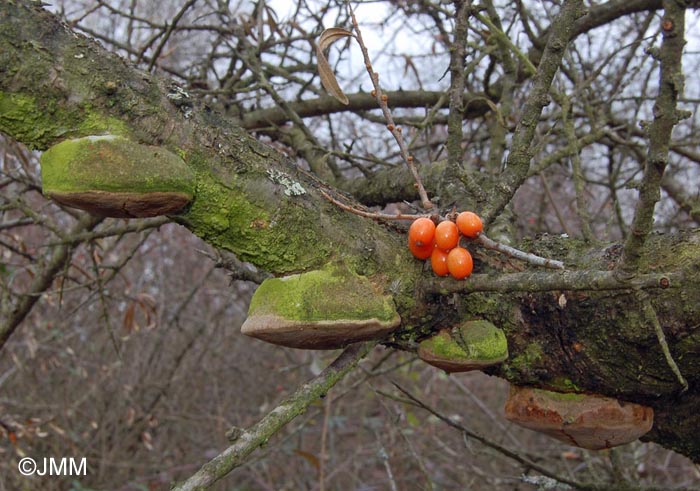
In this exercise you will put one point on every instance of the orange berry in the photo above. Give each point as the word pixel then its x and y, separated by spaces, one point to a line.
pixel 438 261
pixel 421 232
pixel 446 235
pixel 469 224
pixel 421 251
pixel 459 263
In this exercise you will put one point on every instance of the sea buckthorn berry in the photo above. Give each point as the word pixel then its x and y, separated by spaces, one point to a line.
pixel 469 224
pixel 421 232
pixel 459 263
pixel 446 235
pixel 421 251
pixel 438 261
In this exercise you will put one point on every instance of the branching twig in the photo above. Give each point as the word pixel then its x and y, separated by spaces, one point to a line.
pixel 248 440
pixel 482 239
pixel 370 214
pixel 44 278
pixel 521 151
pixel 666 116
pixel 166 36
pixel 485 441
pixel 455 132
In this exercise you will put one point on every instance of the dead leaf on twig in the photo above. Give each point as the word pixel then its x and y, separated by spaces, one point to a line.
pixel 328 79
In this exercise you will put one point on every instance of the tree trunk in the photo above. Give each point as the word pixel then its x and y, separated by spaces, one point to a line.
pixel 579 330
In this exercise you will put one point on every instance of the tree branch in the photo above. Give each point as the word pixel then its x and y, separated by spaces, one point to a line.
pixel 666 116
pixel 257 435
pixel 521 151
pixel 45 277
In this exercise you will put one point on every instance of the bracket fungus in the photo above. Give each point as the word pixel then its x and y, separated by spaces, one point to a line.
pixel 320 309
pixel 589 421
pixel 472 345
pixel 112 176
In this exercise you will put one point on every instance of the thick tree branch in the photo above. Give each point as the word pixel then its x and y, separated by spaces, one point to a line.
pixel 475 105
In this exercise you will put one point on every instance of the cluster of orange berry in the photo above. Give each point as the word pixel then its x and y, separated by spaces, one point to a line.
pixel 441 243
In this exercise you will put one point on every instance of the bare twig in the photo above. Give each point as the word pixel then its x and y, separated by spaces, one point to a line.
pixel 168 32
pixel 370 214
pixel 250 439
pixel 650 314
pixel 455 132
pixel 521 151
pixel 484 241
pixel 666 116
pixel 486 442
pixel 44 278
pixel 382 100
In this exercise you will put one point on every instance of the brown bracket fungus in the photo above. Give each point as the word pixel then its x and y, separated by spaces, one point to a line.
pixel 321 309
pixel 588 421
pixel 112 176
pixel 472 345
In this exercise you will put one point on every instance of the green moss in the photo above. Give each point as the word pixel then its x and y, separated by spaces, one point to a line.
pixel 482 340
pixel 39 123
pixel 526 359
pixel 561 396
pixel 331 293
pixel 471 340
pixel 564 384
pixel 443 346
pixel 113 163
pixel 229 215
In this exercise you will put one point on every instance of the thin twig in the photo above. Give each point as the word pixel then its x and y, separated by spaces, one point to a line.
pixel 486 442
pixel 518 254
pixel 246 441
pixel 166 36
pixel 382 100
pixel 370 214
pixel 482 239
pixel 58 259
pixel 650 314
pixel 522 148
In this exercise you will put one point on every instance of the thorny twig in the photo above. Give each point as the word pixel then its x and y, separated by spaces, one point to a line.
pixel 382 100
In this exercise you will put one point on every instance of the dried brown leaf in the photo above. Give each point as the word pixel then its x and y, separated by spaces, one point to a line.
pixel 328 79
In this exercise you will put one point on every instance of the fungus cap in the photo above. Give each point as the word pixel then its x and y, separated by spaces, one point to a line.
pixel 112 176
pixel 589 421
pixel 472 345
pixel 321 309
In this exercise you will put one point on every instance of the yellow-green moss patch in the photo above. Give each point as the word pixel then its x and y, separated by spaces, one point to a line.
pixel 320 309
pixel 470 346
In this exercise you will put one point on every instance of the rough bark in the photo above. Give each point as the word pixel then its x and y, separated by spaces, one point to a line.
pixel 584 332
